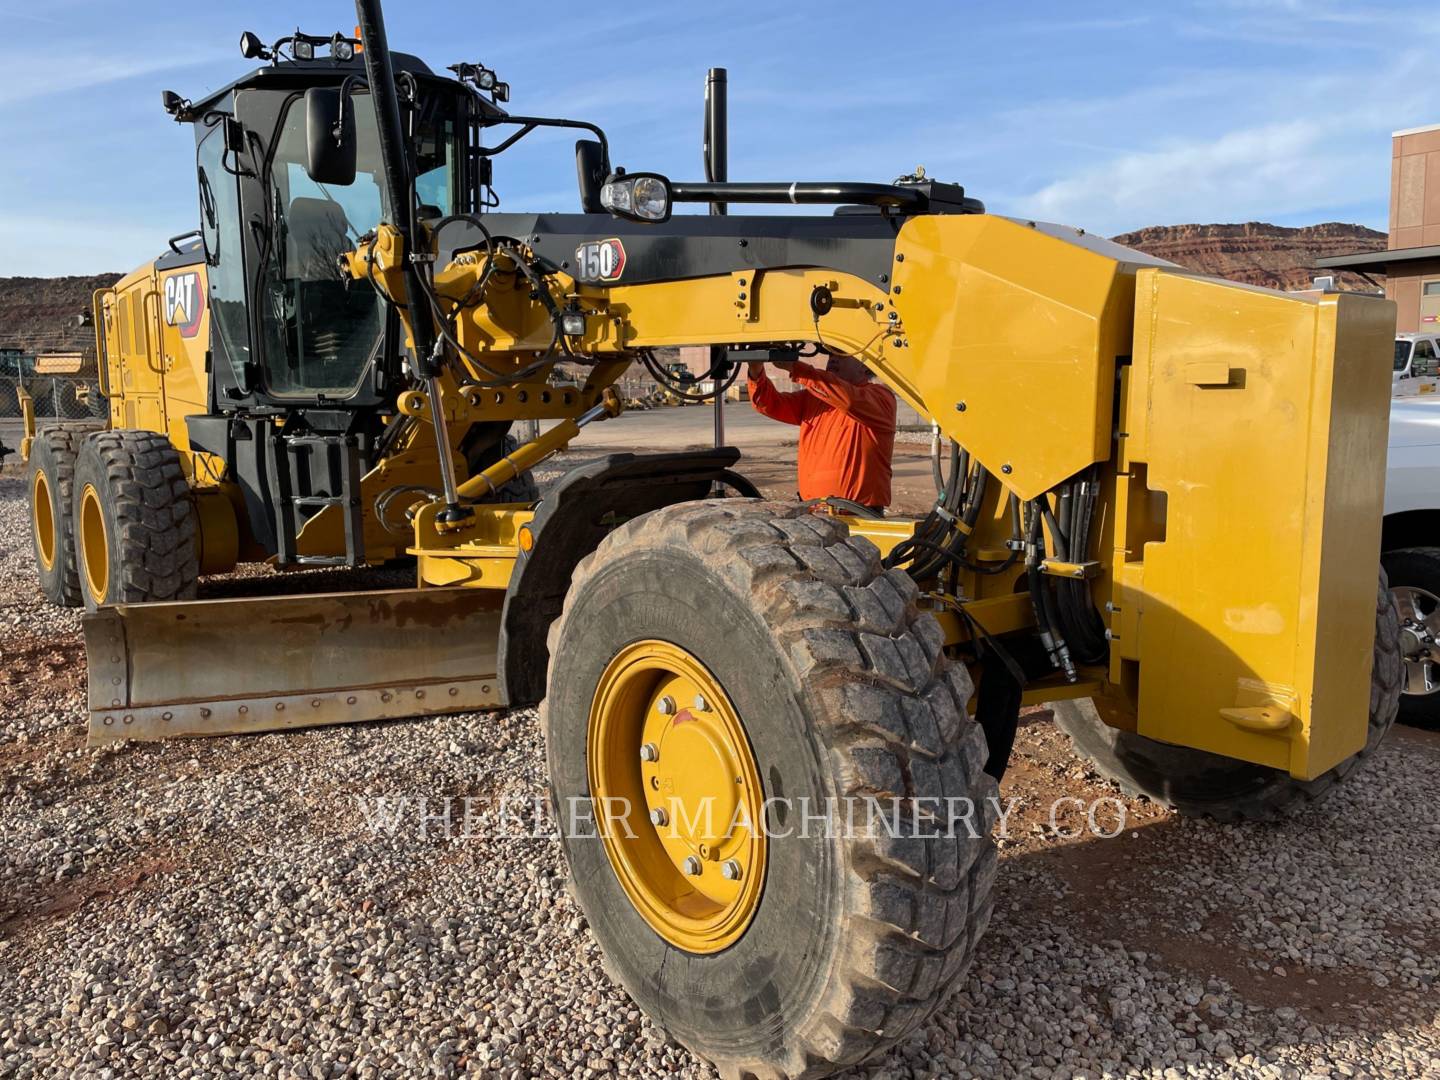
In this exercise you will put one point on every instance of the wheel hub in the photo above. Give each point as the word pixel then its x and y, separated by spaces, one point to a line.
pixel 677 796
pixel 1419 613
pixel 94 545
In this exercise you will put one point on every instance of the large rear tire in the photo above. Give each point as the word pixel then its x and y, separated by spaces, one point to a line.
pixel 51 485
pixel 830 684
pixel 1203 784
pixel 134 520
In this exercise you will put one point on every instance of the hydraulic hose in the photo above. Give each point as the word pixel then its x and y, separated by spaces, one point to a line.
pixel 1074 607
pixel 1050 636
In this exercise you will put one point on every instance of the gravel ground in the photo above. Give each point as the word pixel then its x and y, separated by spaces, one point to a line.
pixel 226 907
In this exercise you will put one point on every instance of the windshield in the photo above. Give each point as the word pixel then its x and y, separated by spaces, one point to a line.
pixel 1402 354
pixel 320 329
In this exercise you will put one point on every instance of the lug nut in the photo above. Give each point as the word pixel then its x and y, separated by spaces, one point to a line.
pixel 692 866
pixel 666 705
pixel 730 870
pixel 701 705
pixel 649 752
pixel 658 817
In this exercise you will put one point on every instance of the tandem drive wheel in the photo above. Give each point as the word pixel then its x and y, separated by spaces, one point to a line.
pixel 724 676
pixel 52 479
pixel 134 520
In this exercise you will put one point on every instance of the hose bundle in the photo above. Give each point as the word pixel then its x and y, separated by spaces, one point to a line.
pixel 1070 524
pixel 938 543
pixel 668 382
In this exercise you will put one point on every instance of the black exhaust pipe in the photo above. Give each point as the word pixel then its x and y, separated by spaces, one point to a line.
pixel 717 132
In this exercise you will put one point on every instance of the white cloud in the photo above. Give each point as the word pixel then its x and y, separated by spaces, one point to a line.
pixel 1267 171
pixel 1326 152
pixel 28 77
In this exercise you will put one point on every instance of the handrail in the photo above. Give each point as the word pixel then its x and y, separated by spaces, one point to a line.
pixel 102 343
pixel 801 192
pixel 175 240
pixel 154 358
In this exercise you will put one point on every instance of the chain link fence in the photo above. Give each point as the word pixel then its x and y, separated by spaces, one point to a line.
pixel 57 397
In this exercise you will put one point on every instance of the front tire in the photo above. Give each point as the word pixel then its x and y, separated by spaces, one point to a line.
pixel 1199 783
pixel 840 689
pixel 134 521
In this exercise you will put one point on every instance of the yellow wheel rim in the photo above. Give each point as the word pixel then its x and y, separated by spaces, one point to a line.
pixel 677 797
pixel 47 536
pixel 94 544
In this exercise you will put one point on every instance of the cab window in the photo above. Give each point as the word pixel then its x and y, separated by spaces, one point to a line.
pixel 1402 354
pixel 435 172
pixel 319 329
pixel 1424 360
pixel 224 253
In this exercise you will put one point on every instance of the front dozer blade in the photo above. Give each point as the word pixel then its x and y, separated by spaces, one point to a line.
pixel 223 667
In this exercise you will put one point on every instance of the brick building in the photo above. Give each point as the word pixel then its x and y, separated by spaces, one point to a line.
pixel 1411 265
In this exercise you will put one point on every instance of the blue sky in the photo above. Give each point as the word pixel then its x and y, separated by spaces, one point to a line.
pixel 1111 116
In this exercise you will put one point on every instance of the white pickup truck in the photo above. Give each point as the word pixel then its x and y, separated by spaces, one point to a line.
pixel 1410 548
pixel 1417 364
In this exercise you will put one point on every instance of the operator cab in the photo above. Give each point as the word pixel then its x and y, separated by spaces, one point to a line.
pixel 289 328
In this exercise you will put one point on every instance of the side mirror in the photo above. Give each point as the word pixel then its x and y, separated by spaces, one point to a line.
pixel 591 169
pixel 329 137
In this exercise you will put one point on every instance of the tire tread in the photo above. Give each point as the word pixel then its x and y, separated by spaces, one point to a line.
pixel 152 512
pixel 889 717
pixel 61 444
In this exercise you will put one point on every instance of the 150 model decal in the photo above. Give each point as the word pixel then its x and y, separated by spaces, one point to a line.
pixel 600 260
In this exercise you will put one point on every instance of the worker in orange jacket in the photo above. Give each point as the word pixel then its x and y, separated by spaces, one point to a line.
pixel 847 427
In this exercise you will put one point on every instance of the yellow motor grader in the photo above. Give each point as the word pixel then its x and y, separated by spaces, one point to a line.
pixel 1158 510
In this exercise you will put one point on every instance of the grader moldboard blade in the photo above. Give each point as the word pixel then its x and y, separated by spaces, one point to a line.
pixel 221 667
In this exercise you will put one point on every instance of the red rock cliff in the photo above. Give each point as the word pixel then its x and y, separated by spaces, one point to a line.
pixel 1256 253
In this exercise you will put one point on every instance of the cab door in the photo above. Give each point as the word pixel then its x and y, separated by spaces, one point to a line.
pixel 141 363
pixel 1424 367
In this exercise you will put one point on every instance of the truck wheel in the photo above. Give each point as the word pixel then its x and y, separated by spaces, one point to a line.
pixel 755 659
pixel 1415 585
pixel 1199 783
pixel 134 520
pixel 52 479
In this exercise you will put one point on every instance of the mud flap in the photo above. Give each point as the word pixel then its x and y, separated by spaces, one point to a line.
pixel 222 667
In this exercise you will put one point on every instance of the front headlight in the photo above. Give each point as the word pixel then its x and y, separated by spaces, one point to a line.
pixel 637 196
